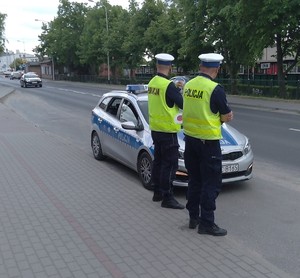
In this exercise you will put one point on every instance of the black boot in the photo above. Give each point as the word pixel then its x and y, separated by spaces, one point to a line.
pixel 193 223
pixel 213 230
pixel 157 196
pixel 171 202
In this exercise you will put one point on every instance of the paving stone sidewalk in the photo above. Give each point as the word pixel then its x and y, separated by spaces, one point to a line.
pixel 64 214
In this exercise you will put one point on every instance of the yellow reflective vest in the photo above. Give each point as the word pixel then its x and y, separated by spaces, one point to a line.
pixel 161 117
pixel 198 119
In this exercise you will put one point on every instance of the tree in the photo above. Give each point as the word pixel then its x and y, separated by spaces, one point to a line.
pixel 166 33
pixel 59 39
pixel 117 34
pixel 17 63
pixel 194 20
pixel 104 33
pixel 239 29
pixel 93 47
pixel 133 44
pixel 2 29
pixel 227 37
pixel 273 22
pixel 149 18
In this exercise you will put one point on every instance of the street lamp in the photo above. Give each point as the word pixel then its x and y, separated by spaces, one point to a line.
pixel 52 60
pixel 106 19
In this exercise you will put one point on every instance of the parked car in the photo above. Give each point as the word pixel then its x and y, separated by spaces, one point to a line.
pixel 7 73
pixel 16 75
pixel 180 81
pixel 30 80
pixel 120 130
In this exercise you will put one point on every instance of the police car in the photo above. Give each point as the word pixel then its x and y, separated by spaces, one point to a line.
pixel 120 130
pixel 179 81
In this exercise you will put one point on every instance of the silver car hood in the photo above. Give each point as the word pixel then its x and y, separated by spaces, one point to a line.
pixel 33 78
pixel 232 139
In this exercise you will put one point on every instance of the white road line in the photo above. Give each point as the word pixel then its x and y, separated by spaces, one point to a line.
pixel 294 129
pixel 76 92
pixel 73 91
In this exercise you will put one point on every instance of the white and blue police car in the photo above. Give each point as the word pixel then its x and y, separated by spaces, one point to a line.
pixel 120 130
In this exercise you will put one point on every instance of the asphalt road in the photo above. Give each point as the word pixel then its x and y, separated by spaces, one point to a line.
pixel 274 136
pixel 261 214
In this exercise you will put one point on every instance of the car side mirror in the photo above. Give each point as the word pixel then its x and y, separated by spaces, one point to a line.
pixel 131 126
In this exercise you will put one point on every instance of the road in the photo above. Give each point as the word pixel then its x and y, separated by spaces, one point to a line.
pixel 261 214
pixel 274 136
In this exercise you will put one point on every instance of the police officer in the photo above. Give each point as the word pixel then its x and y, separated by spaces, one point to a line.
pixel 164 101
pixel 205 109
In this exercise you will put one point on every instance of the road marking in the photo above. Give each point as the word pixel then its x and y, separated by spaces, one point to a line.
pixel 73 91
pixel 294 129
pixel 76 92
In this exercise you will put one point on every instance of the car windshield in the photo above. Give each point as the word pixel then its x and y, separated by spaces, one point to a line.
pixel 30 75
pixel 143 104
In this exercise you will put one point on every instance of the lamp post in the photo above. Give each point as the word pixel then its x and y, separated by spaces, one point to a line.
pixel 106 19
pixel 24 54
pixel 52 60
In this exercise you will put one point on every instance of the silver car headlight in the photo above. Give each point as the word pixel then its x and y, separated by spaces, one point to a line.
pixel 247 147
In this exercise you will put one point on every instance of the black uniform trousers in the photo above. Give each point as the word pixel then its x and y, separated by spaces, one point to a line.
pixel 203 161
pixel 165 163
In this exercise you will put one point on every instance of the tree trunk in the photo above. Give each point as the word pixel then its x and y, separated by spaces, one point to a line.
pixel 233 72
pixel 280 70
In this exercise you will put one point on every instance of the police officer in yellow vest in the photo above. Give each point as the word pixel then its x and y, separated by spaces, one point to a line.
pixel 164 102
pixel 205 109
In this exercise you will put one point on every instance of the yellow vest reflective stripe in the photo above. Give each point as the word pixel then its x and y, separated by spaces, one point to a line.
pixel 161 116
pixel 198 119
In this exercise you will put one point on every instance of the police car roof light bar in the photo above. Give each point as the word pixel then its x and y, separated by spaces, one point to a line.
pixel 136 88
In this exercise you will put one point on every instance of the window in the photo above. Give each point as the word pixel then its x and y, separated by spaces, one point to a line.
pixel 113 106
pixel 128 113
pixel 104 103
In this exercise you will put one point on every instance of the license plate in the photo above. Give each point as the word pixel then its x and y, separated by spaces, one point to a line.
pixel 34 82
pixel 230 168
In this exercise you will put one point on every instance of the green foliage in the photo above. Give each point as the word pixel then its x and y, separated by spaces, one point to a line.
pixel 93 38
pixel 59 39
pixel 148 15
pixel 276 22
pixel 2 37
pixel 194 20
pixel 239 29
pixel 17 63
pixel 133 44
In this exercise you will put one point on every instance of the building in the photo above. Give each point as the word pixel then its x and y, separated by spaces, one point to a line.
pixel 47 68
pixel 267 65
pixel 33 67
pixel 7 59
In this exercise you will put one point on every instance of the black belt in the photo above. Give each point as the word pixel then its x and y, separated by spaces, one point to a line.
pixel 208 141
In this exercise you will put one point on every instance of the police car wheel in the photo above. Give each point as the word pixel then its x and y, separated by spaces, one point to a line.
pixel 96 147
pixel 144 169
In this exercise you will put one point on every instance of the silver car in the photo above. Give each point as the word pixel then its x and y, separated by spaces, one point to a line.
pixel 120 130
pixel 30 80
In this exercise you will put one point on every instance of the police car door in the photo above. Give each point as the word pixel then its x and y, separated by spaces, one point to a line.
pixel 130 134
pixel 109 126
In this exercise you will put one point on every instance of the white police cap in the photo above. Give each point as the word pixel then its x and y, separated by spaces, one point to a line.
pixel 164 59
pixel 211 60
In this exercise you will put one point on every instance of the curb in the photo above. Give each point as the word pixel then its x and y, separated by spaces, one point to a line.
pixel 5 92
